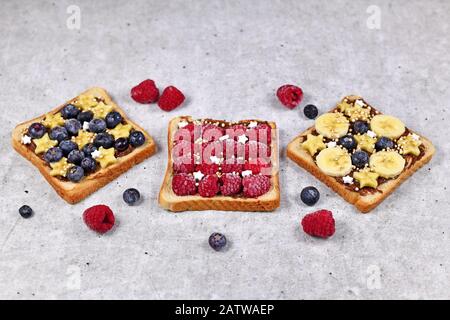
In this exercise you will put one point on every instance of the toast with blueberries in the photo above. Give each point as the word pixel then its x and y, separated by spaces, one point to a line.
pixel 360 153
pixel 83 144
pixel 220 165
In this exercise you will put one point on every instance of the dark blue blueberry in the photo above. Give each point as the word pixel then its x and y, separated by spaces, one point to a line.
pixel 360 127
pixel 70 111
pixel 113 119
pixel 67 146
pixel 384 143
pixel 59 133
pixel 25 211
pixel 88 149
pixel 137 139
pixel 36 130
pixel 85 116
pixel 53 154
pixel 217 241
pixel 348 142
pixel 75 157
pixel 104 140
pixel 97 125
pixel 121 144
pixel 360 159
pixel 310 111
pixel 131 196
pixel 75 174
pixel 72 126
pixel 310 196
pixel 88 164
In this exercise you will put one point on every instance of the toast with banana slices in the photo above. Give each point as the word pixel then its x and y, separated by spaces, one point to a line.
pixel 358 152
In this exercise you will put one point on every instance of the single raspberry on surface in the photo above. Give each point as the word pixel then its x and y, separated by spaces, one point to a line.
pixel 319 224
pixel 255 185
pixel 99 218
pixel 183 184
pixel 231 184
pixel 258 166
pixel 290 95
pixel 170 98
pixel 145 92
pixel 209 186
pixel 207 168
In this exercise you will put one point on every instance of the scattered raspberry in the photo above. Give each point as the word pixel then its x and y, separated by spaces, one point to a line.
pixel 170 98
pixel 183 184
pixel 290 95
pixel 99 218
pixel 231 166
pixel 207 168
pixel 231 184
pixel 145 92
pixel 258 166
pixel 319 224
pixel 255 186
pixel 209 186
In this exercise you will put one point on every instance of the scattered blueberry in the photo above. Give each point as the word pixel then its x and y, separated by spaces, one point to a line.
pixel 217 241
pixel 310 196
pixel 360 159
pixel 310 111
pixel 70 111
pixel 121 144
pixel 75 157
pixel 66 146
pixel 384 143
pixel 72 126
pixel 97 125
pixel 88 149
pixel 348 142
pixel 131 196
pixel 113 119
pixel 85 116
pixel 36 130
pixel 25 211
pixel 88 164
pixel 360 127
pixel 53 154
pixel 59 133
pixel 75 174
pixel 104 140
pixel 137 139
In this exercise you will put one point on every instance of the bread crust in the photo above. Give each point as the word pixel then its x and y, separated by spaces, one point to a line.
pixel 75 192
pixel 170 201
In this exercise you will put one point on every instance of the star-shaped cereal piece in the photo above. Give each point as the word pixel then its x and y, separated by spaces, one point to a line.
pixel 365 142
pixel 101 110
pixel 313 144
pixel 357 113
pixel 60 168
pixel 409 145
pixel 83 138
pixel 106 157
pixel 85 102
pixel 366 178
pixel 44 143
pixel 121 131
pixel 53 120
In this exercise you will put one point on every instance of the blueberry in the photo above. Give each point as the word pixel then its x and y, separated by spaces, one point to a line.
pixel 131 196
pixel 384 143
pixel 70 111
pixel 53 154
pixel 85 116
pixel 66 146
pixel 360 159
pixel 310 111
pixel 25 211
pixel 36 130
pixel 97 125
pixel 137 139
pixel 348 142
pixel 72 126
pixel 88 164
pixel 88 149
pixel 217 241
pixel 113 119
pixel 121 144
pixel 59 133
pixel 75 157
pixel 360 127
pixel 75 174
pixel 310 196
pixel 104 140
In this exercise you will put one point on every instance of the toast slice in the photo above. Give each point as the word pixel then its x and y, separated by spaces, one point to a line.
pixel 74 192
pixel 172 202
pixel 364 199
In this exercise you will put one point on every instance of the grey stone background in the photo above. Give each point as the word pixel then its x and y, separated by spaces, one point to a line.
pixel 228 57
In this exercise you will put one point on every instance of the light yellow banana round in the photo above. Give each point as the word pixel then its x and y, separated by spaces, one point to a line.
pixel 335 162
pixel 388 164
pixel 387 126
pixel 332 125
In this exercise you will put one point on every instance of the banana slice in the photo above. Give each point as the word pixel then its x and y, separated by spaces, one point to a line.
pixel 332 125
pixel 388 164
pixel 335 162
pixel 387 126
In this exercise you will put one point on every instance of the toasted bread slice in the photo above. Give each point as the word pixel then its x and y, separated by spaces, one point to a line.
pixel 75 192
pixel 363 202
pixel 170 201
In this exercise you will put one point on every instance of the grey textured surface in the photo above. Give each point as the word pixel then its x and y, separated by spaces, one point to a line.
pixel 228 57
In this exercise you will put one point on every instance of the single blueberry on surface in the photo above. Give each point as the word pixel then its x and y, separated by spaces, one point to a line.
pixel 75 156
pixel 85 116
pixel 88 164
pixel 113 119
pixel 67 146
pixel 121 144
pixel 310 195
pixel 348 142
pixel 360 158
pixel 310 111
pixel 72 126
pixel 25 211
pixel 70 112
pixel 36 130
pixel 104 140
pixel 131 196
pixel 137 139
pixel 75 174
pixel 59 134
pixel 97 125
pixel 217 241
pixel 53 154
pixel 384 143
pixel 88 149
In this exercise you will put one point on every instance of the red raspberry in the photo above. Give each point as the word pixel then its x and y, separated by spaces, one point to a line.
pixel 255 186
pixel 214 148
pixel 255 149
pixel 236 130
pixel 182 148
pixel 99 218
pixel 207 168
pixel 211 132
pixel 229 148
pixel 264 137
pixel 231 184
pixel 184 164
pixel 290 95
pixel 209 186
pixel 170 98
pixel 231 166
pixel 258 166
pixel 183 184
pixel 319 224
pixel 145 92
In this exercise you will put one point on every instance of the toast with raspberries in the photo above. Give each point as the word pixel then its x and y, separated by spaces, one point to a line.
pixel 220 165
pixel 83 144
pixel 358 152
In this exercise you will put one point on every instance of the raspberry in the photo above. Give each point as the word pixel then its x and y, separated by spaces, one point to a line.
pixel 182 148
pixel 99 218
pixel 207 168
pixel 183 184
pixel 319 224
pixel 264 137
pixel 170 98
pixel 214 148
pixel 236 130
pixel 255 149
pixel 231 166
pixel 184 164
pixel 209 186
pixel 211 132
pixel 290 95
pixel 231 184
pixel 258 166
pixel 145 92
pixel 255 186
